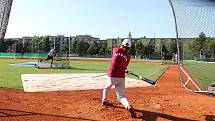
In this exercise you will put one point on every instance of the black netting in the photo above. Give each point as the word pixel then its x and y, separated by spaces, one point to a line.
pixel 195 20
pixel 5 7
pixel 194 17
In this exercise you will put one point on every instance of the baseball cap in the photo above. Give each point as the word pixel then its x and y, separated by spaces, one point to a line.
pixel 126 42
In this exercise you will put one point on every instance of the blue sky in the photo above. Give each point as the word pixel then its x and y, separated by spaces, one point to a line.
pixel 100 18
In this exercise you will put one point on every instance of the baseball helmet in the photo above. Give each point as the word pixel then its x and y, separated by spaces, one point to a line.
pixel 126 42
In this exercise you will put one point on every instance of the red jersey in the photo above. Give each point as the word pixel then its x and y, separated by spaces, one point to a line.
pixel 119 62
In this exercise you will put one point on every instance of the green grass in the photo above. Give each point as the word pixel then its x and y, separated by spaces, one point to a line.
pixel 10 75
pixel 202 72
pixel 147 70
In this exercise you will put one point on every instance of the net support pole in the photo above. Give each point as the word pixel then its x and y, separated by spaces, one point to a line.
pixel 5 8
pixel 176 30
pixel 177 38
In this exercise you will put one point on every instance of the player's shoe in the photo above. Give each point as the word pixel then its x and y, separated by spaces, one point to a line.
pixel 132 112
pixel 105 103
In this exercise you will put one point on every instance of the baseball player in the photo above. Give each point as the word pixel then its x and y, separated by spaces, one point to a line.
pixel 173 58
pixel 116 75
pixel 51 55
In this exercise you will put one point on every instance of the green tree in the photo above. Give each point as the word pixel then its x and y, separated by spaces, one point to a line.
pixel 173 47
pixel 139 48
pixel 2 45
pixel 35 44
pixel 164 49
pixel 103 49
pixel 129 36
pixel 73 47
pixel 45 44
pixel 8 44
pixel 149 49
pixel 39 44
pixel 92 50
pixel 199 44
pixel 132 51
pixel 82 48
pixel 210 48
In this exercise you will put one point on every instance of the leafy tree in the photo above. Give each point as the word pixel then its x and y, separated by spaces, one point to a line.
pixel 19 47
pixel 92 50
pixel 2 45
pixel 7 43
pixel 104 47
pixel 149 50
pixel 132 51
pixel 199 44
pixel 82 48
pixel 139 48
pixel 209 48
pixel 164 49
pixel 35 44
pixel 45 44
pixel 173 47
pixel 129 35
pixel 40 44
pixel 73 47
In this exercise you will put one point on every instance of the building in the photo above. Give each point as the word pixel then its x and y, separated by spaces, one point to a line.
pixel 59 42
pixel 86 38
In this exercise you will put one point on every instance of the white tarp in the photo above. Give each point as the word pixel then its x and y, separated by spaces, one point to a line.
pixel 66 82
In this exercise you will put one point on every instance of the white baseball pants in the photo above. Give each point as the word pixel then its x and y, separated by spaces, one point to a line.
pixel 119 87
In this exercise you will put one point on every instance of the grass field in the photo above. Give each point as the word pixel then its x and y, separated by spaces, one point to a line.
pixel 202 72
pixel 10 75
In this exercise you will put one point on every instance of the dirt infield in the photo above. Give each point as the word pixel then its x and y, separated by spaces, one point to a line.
pixel 166 101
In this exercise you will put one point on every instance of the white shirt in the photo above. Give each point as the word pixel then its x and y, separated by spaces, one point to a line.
pixel 51 53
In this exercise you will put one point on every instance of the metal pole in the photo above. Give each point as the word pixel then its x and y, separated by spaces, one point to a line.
pixel 176 30
pixel 5 8
pixel 177 39
pixel 69 47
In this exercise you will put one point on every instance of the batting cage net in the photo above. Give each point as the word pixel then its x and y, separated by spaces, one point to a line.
pixel 5 7
pixel 195 31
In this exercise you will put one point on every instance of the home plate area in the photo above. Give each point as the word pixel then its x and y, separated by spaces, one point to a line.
pixel 67 82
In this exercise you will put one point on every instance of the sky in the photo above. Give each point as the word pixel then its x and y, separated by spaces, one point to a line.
pixel 99 18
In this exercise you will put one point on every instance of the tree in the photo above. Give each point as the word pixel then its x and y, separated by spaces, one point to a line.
pixel 209 48
pixel 45 44
pixel 92 50
pixel 104 48
pixel 35 44
pixel 164 49
pixel 82 48
pixel 19 47
pixel 173 47
pixel 2 45
pixel 139 48
pixel 129 36
pixel 199 44
pixel 149 50
pixel 132 51
pixel 73 48
pixel 7 44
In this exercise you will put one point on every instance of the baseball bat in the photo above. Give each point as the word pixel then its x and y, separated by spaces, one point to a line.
pixel 143 78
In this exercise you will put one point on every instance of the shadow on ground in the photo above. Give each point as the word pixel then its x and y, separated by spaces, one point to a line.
pixel 9 114
pixel 153 116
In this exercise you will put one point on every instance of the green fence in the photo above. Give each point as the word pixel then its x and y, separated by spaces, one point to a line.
pixel 26 55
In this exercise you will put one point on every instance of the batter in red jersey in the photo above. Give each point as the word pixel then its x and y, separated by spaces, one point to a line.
pixel 116 75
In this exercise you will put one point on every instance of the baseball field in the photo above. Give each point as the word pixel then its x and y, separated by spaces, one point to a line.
pixel 167 100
